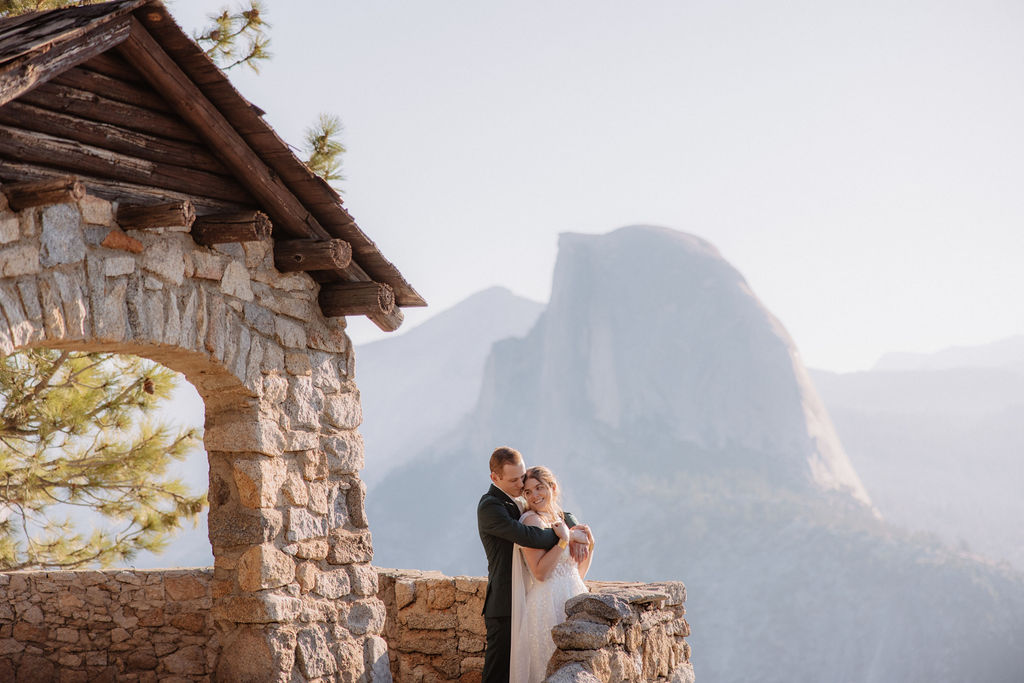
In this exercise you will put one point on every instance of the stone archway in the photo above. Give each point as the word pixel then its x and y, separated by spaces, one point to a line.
pixel 294 595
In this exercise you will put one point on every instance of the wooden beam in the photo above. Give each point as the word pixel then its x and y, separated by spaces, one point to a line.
pixel 288 214
pixel 108 136
pixel 389 322
pixel 113 65
pixel 89 105
pixel 112 88
pixel 291 256
pixel 15 170
pixel 167 215
pixel 356 298
pixel 42 148
pixel 23 73
pixel 42 192
pixel 246 226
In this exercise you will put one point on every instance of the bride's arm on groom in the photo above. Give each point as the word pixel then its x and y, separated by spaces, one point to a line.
pixel 584 564
pixel 579 543
pixel 542 562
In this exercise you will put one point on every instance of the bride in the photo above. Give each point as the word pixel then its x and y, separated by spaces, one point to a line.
pixel 542 580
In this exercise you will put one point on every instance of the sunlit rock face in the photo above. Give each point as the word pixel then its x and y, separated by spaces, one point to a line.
pixel 650 332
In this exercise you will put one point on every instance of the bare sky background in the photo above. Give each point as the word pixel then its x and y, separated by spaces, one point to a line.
pixel 860 162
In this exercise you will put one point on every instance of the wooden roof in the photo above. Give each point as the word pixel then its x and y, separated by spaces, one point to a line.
pixel 125 100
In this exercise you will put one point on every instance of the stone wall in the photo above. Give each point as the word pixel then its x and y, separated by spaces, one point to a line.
pixel 293 594
pixel 617 632
pixel 150 625
pixel 79 626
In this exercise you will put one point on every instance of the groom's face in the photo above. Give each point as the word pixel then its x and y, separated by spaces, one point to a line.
pixel 511 479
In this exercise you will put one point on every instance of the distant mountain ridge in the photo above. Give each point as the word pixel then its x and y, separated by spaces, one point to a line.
pixel 1006 353
pixel 408 394
pixel 684 428
pixel 939 450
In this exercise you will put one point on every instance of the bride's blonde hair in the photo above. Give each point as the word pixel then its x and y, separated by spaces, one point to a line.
pixel 546 477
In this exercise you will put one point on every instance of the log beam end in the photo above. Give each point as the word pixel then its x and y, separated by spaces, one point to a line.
pixel 167 215
pixel 245 226
pixel 375 300
pixel 31 193
pixel 292 256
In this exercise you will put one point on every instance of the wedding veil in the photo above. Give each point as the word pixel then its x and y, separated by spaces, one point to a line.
pixel 522 581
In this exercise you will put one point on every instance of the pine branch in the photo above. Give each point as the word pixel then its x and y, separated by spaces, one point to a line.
pixel 324 148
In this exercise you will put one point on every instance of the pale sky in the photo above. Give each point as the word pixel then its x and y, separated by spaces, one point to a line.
pixel 859 162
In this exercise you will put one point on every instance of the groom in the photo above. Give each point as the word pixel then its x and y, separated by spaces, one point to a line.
pixel 497 517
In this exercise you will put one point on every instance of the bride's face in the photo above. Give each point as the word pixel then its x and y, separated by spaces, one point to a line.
pixel 538 495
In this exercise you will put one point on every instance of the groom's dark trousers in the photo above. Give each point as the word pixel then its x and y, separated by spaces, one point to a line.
pixel 497 518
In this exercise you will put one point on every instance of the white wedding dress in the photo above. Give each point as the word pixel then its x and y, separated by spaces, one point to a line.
pixel 537 607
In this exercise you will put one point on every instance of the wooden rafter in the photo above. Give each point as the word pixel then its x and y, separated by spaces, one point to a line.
pixel 287 212
pixel 109 136
pixel 47 149
pixel 23 73
pixel 118 95
pixel 113 190
pixel 146 55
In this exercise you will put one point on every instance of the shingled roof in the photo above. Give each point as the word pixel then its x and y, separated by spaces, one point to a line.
pixel 119 96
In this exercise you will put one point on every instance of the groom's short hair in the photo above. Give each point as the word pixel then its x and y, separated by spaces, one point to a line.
pixel 503 455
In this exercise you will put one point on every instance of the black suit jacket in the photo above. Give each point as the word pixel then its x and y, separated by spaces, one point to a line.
pixel 497 517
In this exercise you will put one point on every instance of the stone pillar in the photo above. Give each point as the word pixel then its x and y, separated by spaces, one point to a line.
pixel 294 591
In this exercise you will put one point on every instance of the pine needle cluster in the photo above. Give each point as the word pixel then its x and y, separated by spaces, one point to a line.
pixel 77 433
pixel 237 37
pixel 324 148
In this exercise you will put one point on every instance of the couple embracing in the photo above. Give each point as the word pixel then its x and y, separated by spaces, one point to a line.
pixel 537 557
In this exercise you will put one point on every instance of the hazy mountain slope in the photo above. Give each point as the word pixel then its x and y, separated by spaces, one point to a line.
pixel 685 430
pixel 1006 353
pixel 423 381
pixel 940 450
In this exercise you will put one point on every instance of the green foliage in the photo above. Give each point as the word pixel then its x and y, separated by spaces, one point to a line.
pixel 237 37
pixel 324 148
pixel 76 430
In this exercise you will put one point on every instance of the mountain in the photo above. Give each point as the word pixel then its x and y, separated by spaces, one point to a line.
pixel 1006 353
pixel 423 381
pixel 684 428
pixel 939 450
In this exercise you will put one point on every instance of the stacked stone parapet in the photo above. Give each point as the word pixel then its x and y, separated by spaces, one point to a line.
pixel 157 625
pixel 79 626
pixel 435 630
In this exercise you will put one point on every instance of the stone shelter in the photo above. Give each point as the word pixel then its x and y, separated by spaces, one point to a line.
pixel 147 208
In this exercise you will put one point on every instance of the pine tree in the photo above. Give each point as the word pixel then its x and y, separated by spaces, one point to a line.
pixel 76 431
